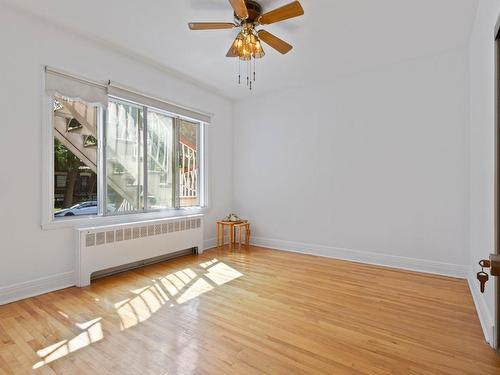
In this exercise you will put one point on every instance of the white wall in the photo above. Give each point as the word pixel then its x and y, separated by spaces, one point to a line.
pixel 373 167
pixel 482 142
pixel 27 44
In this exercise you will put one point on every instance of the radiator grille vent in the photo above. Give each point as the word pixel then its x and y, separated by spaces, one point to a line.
pixel 100 238
pixel 119 235
pixel 90 239
pixel 110 236
pixel 127 234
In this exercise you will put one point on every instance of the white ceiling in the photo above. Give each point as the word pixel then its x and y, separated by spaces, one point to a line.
pixel 332 39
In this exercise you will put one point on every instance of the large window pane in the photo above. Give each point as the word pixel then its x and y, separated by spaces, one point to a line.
pixel 124 157
pixel 189 187
pixel 75 158
pixel 160 135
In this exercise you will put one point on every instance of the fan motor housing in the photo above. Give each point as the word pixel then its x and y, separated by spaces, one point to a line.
pixel 254 11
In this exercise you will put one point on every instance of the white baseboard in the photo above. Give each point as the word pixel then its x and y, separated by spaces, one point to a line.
pixel 487 323
pixel 26 289
pixel 412 264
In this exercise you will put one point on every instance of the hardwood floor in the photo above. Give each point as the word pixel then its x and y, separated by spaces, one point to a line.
pixel 250 311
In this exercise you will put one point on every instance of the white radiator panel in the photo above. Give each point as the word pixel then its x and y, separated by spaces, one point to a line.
pixel 110 246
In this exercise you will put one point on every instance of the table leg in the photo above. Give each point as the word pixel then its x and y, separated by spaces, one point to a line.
pixel 231 235
pixel 247 235
pixel 218 243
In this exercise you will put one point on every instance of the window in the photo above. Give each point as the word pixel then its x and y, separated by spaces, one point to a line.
pixel 124 157
pixel 160 158
pixel 117 152
pixel 188 164
pixel 75 156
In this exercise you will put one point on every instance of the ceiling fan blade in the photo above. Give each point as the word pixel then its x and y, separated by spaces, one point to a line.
pixel 294 9
pixel 240 8
pixel 210 25
pixel 275 42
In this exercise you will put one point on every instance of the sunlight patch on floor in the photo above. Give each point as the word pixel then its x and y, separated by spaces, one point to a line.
pixel 180 286
pixel 92 333
pixel 199 287
pixel 221 273
pixel 208 263
pixel 173 289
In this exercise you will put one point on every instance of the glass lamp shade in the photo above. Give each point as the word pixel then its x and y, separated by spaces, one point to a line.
pixel 245 54
pixel 258 51
pixel 250 39
pixel 237 45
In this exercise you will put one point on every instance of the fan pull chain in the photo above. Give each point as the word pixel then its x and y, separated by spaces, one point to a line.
pixel 251 68
pixel 248 79
pixel 250 73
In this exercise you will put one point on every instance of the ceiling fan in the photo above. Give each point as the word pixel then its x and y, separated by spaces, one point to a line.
pixel 247 45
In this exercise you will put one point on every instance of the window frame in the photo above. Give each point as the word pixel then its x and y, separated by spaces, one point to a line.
pixel 48 221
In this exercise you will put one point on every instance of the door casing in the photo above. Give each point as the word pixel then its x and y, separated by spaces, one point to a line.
pixel 496 282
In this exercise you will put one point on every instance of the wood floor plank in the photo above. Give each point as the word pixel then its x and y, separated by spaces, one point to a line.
pixel 250 311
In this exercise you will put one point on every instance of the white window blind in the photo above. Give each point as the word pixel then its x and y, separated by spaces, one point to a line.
pixel 73 88
pixel 143 99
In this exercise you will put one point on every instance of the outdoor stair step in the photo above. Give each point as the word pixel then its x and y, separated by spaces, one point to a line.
pixel 75 129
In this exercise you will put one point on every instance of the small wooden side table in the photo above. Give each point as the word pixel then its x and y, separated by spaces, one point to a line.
pixel 221 226
pixel 244 226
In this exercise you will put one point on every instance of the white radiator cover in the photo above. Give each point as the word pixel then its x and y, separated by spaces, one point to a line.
pixel 100 248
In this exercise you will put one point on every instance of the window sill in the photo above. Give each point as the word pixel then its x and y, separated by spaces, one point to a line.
pixel 96 221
